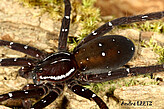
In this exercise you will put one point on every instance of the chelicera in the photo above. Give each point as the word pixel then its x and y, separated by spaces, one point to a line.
pixel 95 59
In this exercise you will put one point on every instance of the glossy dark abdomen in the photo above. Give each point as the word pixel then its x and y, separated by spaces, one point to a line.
pixel 104 54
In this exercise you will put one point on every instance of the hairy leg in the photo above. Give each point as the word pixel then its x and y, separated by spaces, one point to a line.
pixel 120 73
pixel 23 48
pixel 62 46
pixel 86 93
pixel 120 21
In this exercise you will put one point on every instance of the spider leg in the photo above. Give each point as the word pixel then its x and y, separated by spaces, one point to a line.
pixel 120 21
pixel 86 93
pixel 23 94
pixel 23 48
pixel 124 72
pixel 27 103
pixel 26 72
pixel 62 46
pixel 35 91
pixel 17 62
pixel 26 63
pixel 49 98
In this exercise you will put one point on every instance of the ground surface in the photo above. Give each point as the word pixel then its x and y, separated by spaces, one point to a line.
pixel 21 24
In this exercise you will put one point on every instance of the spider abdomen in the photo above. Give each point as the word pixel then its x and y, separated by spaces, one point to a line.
pixel 56 67
pixel 104 54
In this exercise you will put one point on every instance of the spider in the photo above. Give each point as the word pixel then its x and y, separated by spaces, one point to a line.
pixel 94 59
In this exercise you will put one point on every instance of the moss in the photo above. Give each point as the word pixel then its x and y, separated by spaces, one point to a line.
pixel 153 26
pixel 88 18
pixel 150 26
pixel 156 48
pixel 53 7
pixel 110 86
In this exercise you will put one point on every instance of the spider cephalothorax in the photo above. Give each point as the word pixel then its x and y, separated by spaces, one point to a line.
pixel 57 67
pixel 94 59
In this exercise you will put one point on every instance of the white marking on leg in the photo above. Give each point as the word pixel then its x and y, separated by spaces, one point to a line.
pixel 15 59
pixel 44 101
pixel 11 43
pixel 84 68
pixel 1 60
pixel 144 17
pixel 34 77
pixel 94 33
pixel 118 52
pixel 93 95
pixel 110 24
pixel 66 30
pixel 113 40
pixel 37 55
pixel 83 90
pixel 25 47
pixel 67 17
pixel 29 63
pixel 26 92
pixel 10 95
pixel 128 70
pixel 109 73
pixel 22 67
pixel 41 69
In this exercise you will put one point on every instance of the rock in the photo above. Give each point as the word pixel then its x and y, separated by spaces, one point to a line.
pixel 152 95
pixel 3 107
pixel 20 24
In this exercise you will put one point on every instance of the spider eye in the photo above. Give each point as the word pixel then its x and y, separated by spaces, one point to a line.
pixel 104 54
